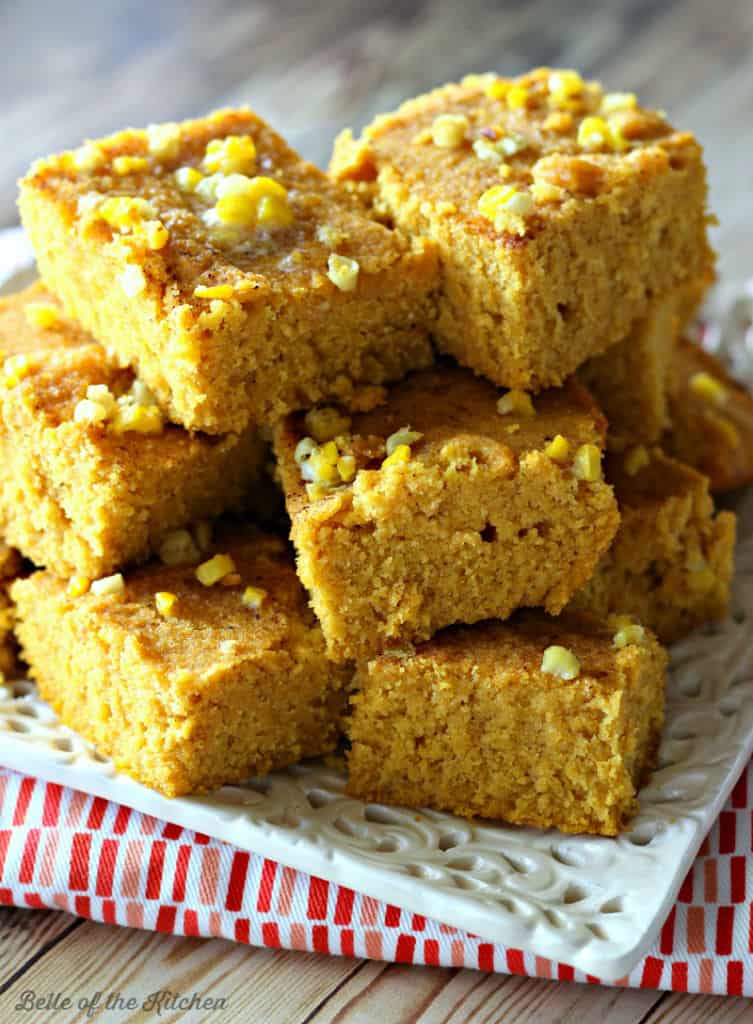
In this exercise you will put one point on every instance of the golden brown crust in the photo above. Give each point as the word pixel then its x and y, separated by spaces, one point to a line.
pixel 286 337
pixel 470 723
pixel 527 300
pixel 479 521
pixel 78 498
pixel 214 693
pixel 714 437
pixel 671 563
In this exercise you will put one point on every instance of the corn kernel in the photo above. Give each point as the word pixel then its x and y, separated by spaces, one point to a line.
pixel 87 411
pixel 132 280
pixel 129 164
pixel 42 315
pixel 559 661
pixel 614 101
pixel 517 97
pixel 343 272
pixel 155 234
pixel 137 419
pixel 346 467
pixel 78 586
pixel 126 212
pixel 563 85
pixel 303 449
pixel 398 456
pixel 188 179
pixel 485 149
pixel 207 187
pixel 274 212
pixel 315 491
pixel 330 236
pixel 448 131
pixel 708 387
pixel 505 171
pixel 233 154
pixel 15 368
pixel 501 199
pixel 518 403
pixel 114 584
pixel 498 89
pixel 88 157
pixel 636 459
pixel 544 192
pixel 163 140
pixel 729 431
pixel 630 634
pixel 587 463
pixel 558 450
pixel 254 597
pixel 402 436
pixel 215 569
pixel 325 424
pixel 165 603
pixel 213 291
pixel 248 201
pixel 139 393
pixel 559 121
pixel 594 133
pixel 178 548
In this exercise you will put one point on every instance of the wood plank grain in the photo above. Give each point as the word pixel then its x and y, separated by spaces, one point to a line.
pixel 29 934
pixel 426 995
pixel 277 987
pixel 681 1009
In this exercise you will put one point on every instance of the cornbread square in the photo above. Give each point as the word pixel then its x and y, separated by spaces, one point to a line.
pixel 471 723
pixel 471 515
pixel 711 418
pixel 560 212
pixel 631 380
pixel 11 565
pixel 212 690
pixel 234 276
pixel 79 496
pixel 671 562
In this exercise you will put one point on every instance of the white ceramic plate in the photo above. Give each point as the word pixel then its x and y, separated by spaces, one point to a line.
pixel 594 903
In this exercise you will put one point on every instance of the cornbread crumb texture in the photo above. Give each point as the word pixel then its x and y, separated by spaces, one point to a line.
pixel 212 692
pixel 559 212
pixel 471 723
pixel 237 279
pixel 91 478
pixel 445 509
pixel 671 562
pixel 711 418
pixel 631 380
pixel 11 565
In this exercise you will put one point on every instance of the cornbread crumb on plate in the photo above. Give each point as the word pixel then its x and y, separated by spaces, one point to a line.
pixel 450 502
pixel 235 277
pixel 711 418
pixel 671 563
pixel 539 721
pixel 632 379
pixel 91 476
pixel 192 689
pixel 560 212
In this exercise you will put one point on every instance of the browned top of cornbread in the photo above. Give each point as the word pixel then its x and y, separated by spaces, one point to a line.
pixel 61 361
pixel 509 654
pixel 207 626
pixel 256 261
pixel 455 413
pixel 644 476
pixel 712 418
pixel 535 134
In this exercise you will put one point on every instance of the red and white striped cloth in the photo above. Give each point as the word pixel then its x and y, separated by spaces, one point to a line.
pixel 63 849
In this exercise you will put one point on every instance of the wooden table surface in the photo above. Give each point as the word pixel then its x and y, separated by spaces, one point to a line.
pixel 77 69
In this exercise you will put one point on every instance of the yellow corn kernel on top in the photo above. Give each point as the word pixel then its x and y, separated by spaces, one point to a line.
pixel 42 315
pixel 130 164
pixel 216 291
pixel 636 459
pixel 587 463
pixel 231 155
pixel 188 179
pixel 449 131
pixel 558 450
pixel 708 388
pixel 517 403
pixel 559 661
pixel 165 603
pixel 253 597
pixel 108 585
pixel 400 454
pixel 78 586
pixel 402 436
pixel 215 569
pixel 629 634
pixel 343 272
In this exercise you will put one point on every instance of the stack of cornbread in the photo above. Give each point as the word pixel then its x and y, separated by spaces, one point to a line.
pixel 464 343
